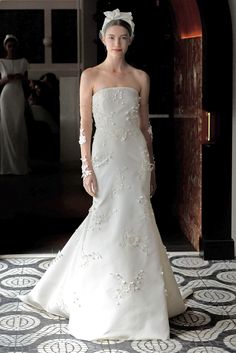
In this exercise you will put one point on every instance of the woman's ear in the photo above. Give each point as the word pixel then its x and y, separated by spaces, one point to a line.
pixel 102 40
pixel 101 37
pixel 131 39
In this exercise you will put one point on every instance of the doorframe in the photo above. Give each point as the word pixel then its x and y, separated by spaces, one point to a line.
pixel 232 5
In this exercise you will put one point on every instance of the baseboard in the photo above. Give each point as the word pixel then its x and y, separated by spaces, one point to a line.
pixel 218 249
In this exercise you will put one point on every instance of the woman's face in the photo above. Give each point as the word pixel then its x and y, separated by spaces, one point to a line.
pixel 10 47
pixel 116 40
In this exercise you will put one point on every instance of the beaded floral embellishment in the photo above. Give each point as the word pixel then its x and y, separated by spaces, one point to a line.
pixel 127 287
pixel 132 240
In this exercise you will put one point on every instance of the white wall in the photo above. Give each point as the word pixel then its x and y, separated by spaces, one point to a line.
pixel 232 4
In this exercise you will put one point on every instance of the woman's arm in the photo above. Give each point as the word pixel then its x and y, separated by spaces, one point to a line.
pixel 23 76
pixel 145 125
pixel 3 81
pixel 86 124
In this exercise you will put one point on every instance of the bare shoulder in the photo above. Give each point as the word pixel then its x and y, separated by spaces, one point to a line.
pixel 143 81
pixel 141 76
pixel 87 79
pixel 89 76
pixel 88 73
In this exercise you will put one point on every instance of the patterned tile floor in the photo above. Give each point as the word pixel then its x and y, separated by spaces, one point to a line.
pixel 207 326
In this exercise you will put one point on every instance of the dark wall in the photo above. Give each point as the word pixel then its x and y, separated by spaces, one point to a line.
pixel 217 99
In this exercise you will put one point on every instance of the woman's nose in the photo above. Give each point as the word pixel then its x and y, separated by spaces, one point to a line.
pixel 117 42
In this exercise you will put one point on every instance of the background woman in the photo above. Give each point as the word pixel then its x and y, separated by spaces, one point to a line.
pixel 13 132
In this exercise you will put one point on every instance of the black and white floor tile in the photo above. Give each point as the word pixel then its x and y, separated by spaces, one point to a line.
pixel 207 326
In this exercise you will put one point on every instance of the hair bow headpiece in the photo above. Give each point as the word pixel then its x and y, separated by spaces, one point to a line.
pixel 117 15
pixel 8 37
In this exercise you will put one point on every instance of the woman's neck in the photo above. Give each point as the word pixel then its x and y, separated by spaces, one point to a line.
pixel 11 57
pixel 115 66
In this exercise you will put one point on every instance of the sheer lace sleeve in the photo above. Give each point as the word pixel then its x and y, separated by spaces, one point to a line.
pixel 86 123
pixel 86 163
pixel 145 124
pixel 146 129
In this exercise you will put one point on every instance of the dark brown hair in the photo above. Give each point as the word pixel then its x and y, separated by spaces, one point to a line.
pixel 121 23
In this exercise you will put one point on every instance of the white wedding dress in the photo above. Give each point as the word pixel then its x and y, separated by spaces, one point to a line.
pixel 13 131
pixel 113 279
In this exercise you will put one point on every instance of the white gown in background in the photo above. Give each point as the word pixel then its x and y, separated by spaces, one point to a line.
pixel 113 279
pixel 13 132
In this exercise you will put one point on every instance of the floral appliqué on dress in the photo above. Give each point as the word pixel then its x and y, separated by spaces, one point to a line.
pixel 131 239
pixel 127 287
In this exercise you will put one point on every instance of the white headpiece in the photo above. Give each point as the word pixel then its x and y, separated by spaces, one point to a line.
pixel 9 36
pixel 117 15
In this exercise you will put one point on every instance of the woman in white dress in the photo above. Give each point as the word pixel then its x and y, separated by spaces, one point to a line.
pixel 113 279
pixel 13 132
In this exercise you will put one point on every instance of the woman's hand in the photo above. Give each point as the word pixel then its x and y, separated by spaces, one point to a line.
pixel 10 77
pixel 4 80
pixel 15 77
pixel 153 185
pixel 18 77
pixel 90 184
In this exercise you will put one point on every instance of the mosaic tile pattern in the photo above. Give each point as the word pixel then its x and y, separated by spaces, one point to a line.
pixel 207 326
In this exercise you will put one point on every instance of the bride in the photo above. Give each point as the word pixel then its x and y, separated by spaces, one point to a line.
pixel 113 279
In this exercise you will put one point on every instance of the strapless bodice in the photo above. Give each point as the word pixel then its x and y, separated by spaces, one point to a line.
pixel 116 107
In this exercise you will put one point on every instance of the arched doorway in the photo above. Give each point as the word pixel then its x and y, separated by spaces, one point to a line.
pixel 203 124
